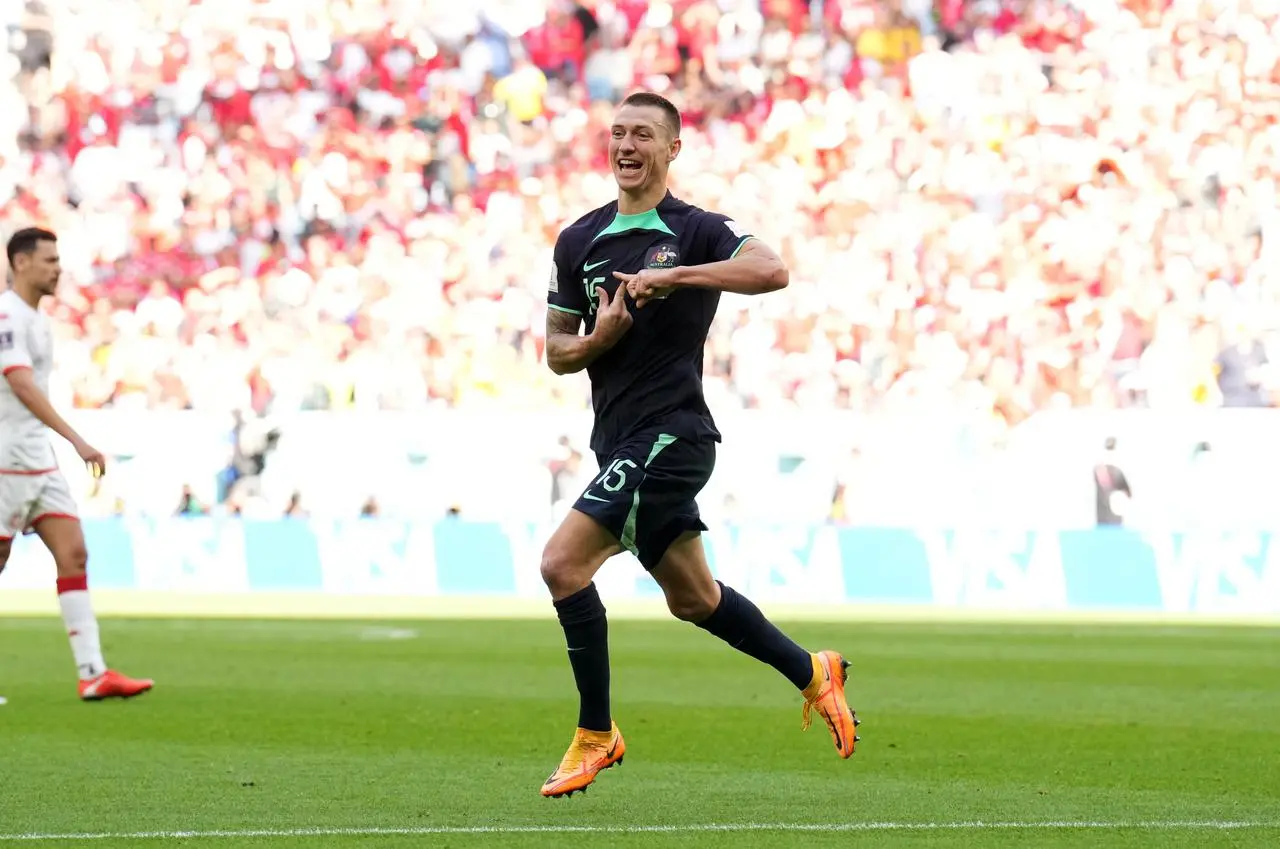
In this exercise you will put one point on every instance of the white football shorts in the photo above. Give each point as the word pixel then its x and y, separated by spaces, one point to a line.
pixel 26 499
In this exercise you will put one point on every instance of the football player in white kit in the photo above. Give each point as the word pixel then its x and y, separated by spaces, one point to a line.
pixel 34 495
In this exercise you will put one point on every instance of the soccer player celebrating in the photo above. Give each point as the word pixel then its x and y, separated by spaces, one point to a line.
pixel 34 495
pixel 644 275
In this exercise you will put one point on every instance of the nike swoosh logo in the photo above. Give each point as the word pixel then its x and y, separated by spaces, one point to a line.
pixel 590 497
pixel 591 265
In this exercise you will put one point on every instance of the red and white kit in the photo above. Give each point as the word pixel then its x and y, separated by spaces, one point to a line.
pixel 31 487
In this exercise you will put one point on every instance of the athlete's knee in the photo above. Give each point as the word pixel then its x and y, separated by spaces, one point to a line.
pixel 691 591
pixel 5 547
pixel 564 571
pixel 72 561
pixel 692 604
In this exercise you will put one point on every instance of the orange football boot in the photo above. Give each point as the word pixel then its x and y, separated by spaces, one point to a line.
pixel 825 694
pixel 589 754
pixel 113 685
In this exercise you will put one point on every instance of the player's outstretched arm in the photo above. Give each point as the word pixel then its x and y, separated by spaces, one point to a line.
pixel 753 270
pixel 567 352
pixel 24 387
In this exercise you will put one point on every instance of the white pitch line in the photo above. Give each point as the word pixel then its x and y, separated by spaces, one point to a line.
pixel 1162 825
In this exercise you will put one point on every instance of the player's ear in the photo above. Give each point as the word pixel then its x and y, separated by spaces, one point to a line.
pixel 674 150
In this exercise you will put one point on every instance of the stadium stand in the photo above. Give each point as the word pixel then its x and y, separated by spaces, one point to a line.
pixel 1002 207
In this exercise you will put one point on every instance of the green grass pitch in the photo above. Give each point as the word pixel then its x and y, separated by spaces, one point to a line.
pixel 973 736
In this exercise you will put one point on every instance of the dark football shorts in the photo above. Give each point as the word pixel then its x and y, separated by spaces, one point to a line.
pixel 646 490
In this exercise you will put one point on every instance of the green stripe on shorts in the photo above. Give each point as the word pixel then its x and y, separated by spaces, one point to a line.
pixel 629 529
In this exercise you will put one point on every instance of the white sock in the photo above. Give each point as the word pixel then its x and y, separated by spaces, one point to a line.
pixel 82 627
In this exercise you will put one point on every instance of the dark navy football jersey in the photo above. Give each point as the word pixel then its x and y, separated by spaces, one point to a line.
pixel 653 376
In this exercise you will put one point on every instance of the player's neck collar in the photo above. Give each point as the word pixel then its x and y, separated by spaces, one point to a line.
pixel 664 201
pixel 21 301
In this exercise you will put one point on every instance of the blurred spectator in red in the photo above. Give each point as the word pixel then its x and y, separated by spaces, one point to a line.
pixel 1001 207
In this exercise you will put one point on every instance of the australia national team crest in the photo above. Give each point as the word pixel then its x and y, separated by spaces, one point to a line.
pixel 663 256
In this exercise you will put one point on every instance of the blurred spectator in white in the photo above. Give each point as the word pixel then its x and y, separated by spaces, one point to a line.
pixel 1112 487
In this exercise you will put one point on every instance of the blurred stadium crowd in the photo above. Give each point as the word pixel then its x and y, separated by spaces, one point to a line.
pixel 1004 205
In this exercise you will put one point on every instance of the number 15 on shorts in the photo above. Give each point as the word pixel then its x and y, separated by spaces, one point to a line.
pixel 613 478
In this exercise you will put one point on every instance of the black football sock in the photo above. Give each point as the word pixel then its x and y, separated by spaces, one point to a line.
pixel 586 631
pixel 741 624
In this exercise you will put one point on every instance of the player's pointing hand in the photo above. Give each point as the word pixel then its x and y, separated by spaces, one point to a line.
pixel 648 284
pixel 613 319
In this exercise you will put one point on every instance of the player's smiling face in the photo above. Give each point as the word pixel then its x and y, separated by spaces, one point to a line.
pixel 641 147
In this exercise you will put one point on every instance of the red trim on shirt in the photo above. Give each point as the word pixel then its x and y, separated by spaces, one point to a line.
pixel 28 472
pixel 11 369
pixel 38 519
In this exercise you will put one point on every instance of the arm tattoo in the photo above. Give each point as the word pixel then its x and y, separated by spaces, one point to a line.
pixel 562 323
